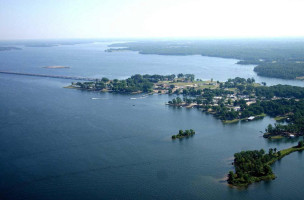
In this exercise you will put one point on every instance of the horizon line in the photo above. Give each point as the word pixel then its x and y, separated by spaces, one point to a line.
pixel 157 38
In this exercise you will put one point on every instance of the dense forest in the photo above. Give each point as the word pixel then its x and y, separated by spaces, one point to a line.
pixel 285 70
pixel 286 91
pixel 252 166
pixel 280 58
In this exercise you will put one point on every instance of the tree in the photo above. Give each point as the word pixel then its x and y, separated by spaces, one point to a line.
pixel 187 132
pixel 267 169
pixel 178 100
pixel 279 153
pixel 104 79
pixel 269 129
pixel 180 75
pixel 174 101
pixel 300 143
pixel 240 87
pixel 231 177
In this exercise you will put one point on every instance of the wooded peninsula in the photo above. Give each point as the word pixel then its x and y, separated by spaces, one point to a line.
pixel 254 166
pixel 235 100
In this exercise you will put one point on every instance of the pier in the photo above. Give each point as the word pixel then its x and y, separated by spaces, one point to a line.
pixel 50 76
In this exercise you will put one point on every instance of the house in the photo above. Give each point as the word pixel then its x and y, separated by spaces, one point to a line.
pixel 250 102
pixel 231 96
pixel 251 118
pixel 237 108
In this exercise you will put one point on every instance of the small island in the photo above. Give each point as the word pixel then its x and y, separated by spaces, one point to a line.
pixel 56 67
pixel 254 166
pixel 9 48
pixel 181 134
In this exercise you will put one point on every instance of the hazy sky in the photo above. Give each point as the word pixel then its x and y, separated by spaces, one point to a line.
pixel 38 19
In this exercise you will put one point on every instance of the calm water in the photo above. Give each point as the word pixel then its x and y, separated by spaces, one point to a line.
pixel 58 143
pixel 90 60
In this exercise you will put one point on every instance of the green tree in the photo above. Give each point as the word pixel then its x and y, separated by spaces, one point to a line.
pixel 104 79
pixel 300 143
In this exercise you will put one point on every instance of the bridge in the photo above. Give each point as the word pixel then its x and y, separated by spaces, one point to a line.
pixel 50 76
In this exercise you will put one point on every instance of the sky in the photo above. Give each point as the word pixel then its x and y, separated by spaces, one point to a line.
pixel 54 19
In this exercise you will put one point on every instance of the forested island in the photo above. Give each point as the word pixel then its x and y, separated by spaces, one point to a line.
pixel 278 58
pixel 181 134
pixel 254 166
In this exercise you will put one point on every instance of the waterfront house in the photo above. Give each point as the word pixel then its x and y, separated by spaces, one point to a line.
pixel 251 118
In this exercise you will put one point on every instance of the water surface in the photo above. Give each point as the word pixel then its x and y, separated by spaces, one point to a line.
pixel 59 143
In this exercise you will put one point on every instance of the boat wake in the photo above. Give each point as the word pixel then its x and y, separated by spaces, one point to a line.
pixel 142 97
pixel 95 98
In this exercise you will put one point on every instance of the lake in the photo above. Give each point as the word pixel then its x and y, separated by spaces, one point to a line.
pixel 58 143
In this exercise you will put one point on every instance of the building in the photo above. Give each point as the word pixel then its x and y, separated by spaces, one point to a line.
pixel 251 118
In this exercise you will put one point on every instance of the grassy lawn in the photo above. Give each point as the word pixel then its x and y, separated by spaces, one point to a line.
pixel 244 119
pixel 280 118
pixel 199 84
pixel 276 137
pixel 231 121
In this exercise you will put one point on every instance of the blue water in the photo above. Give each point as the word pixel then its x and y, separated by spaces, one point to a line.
pixel 90 60
pixel 58 143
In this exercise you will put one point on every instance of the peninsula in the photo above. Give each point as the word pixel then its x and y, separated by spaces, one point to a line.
pixel 232 101
pixel 254 166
